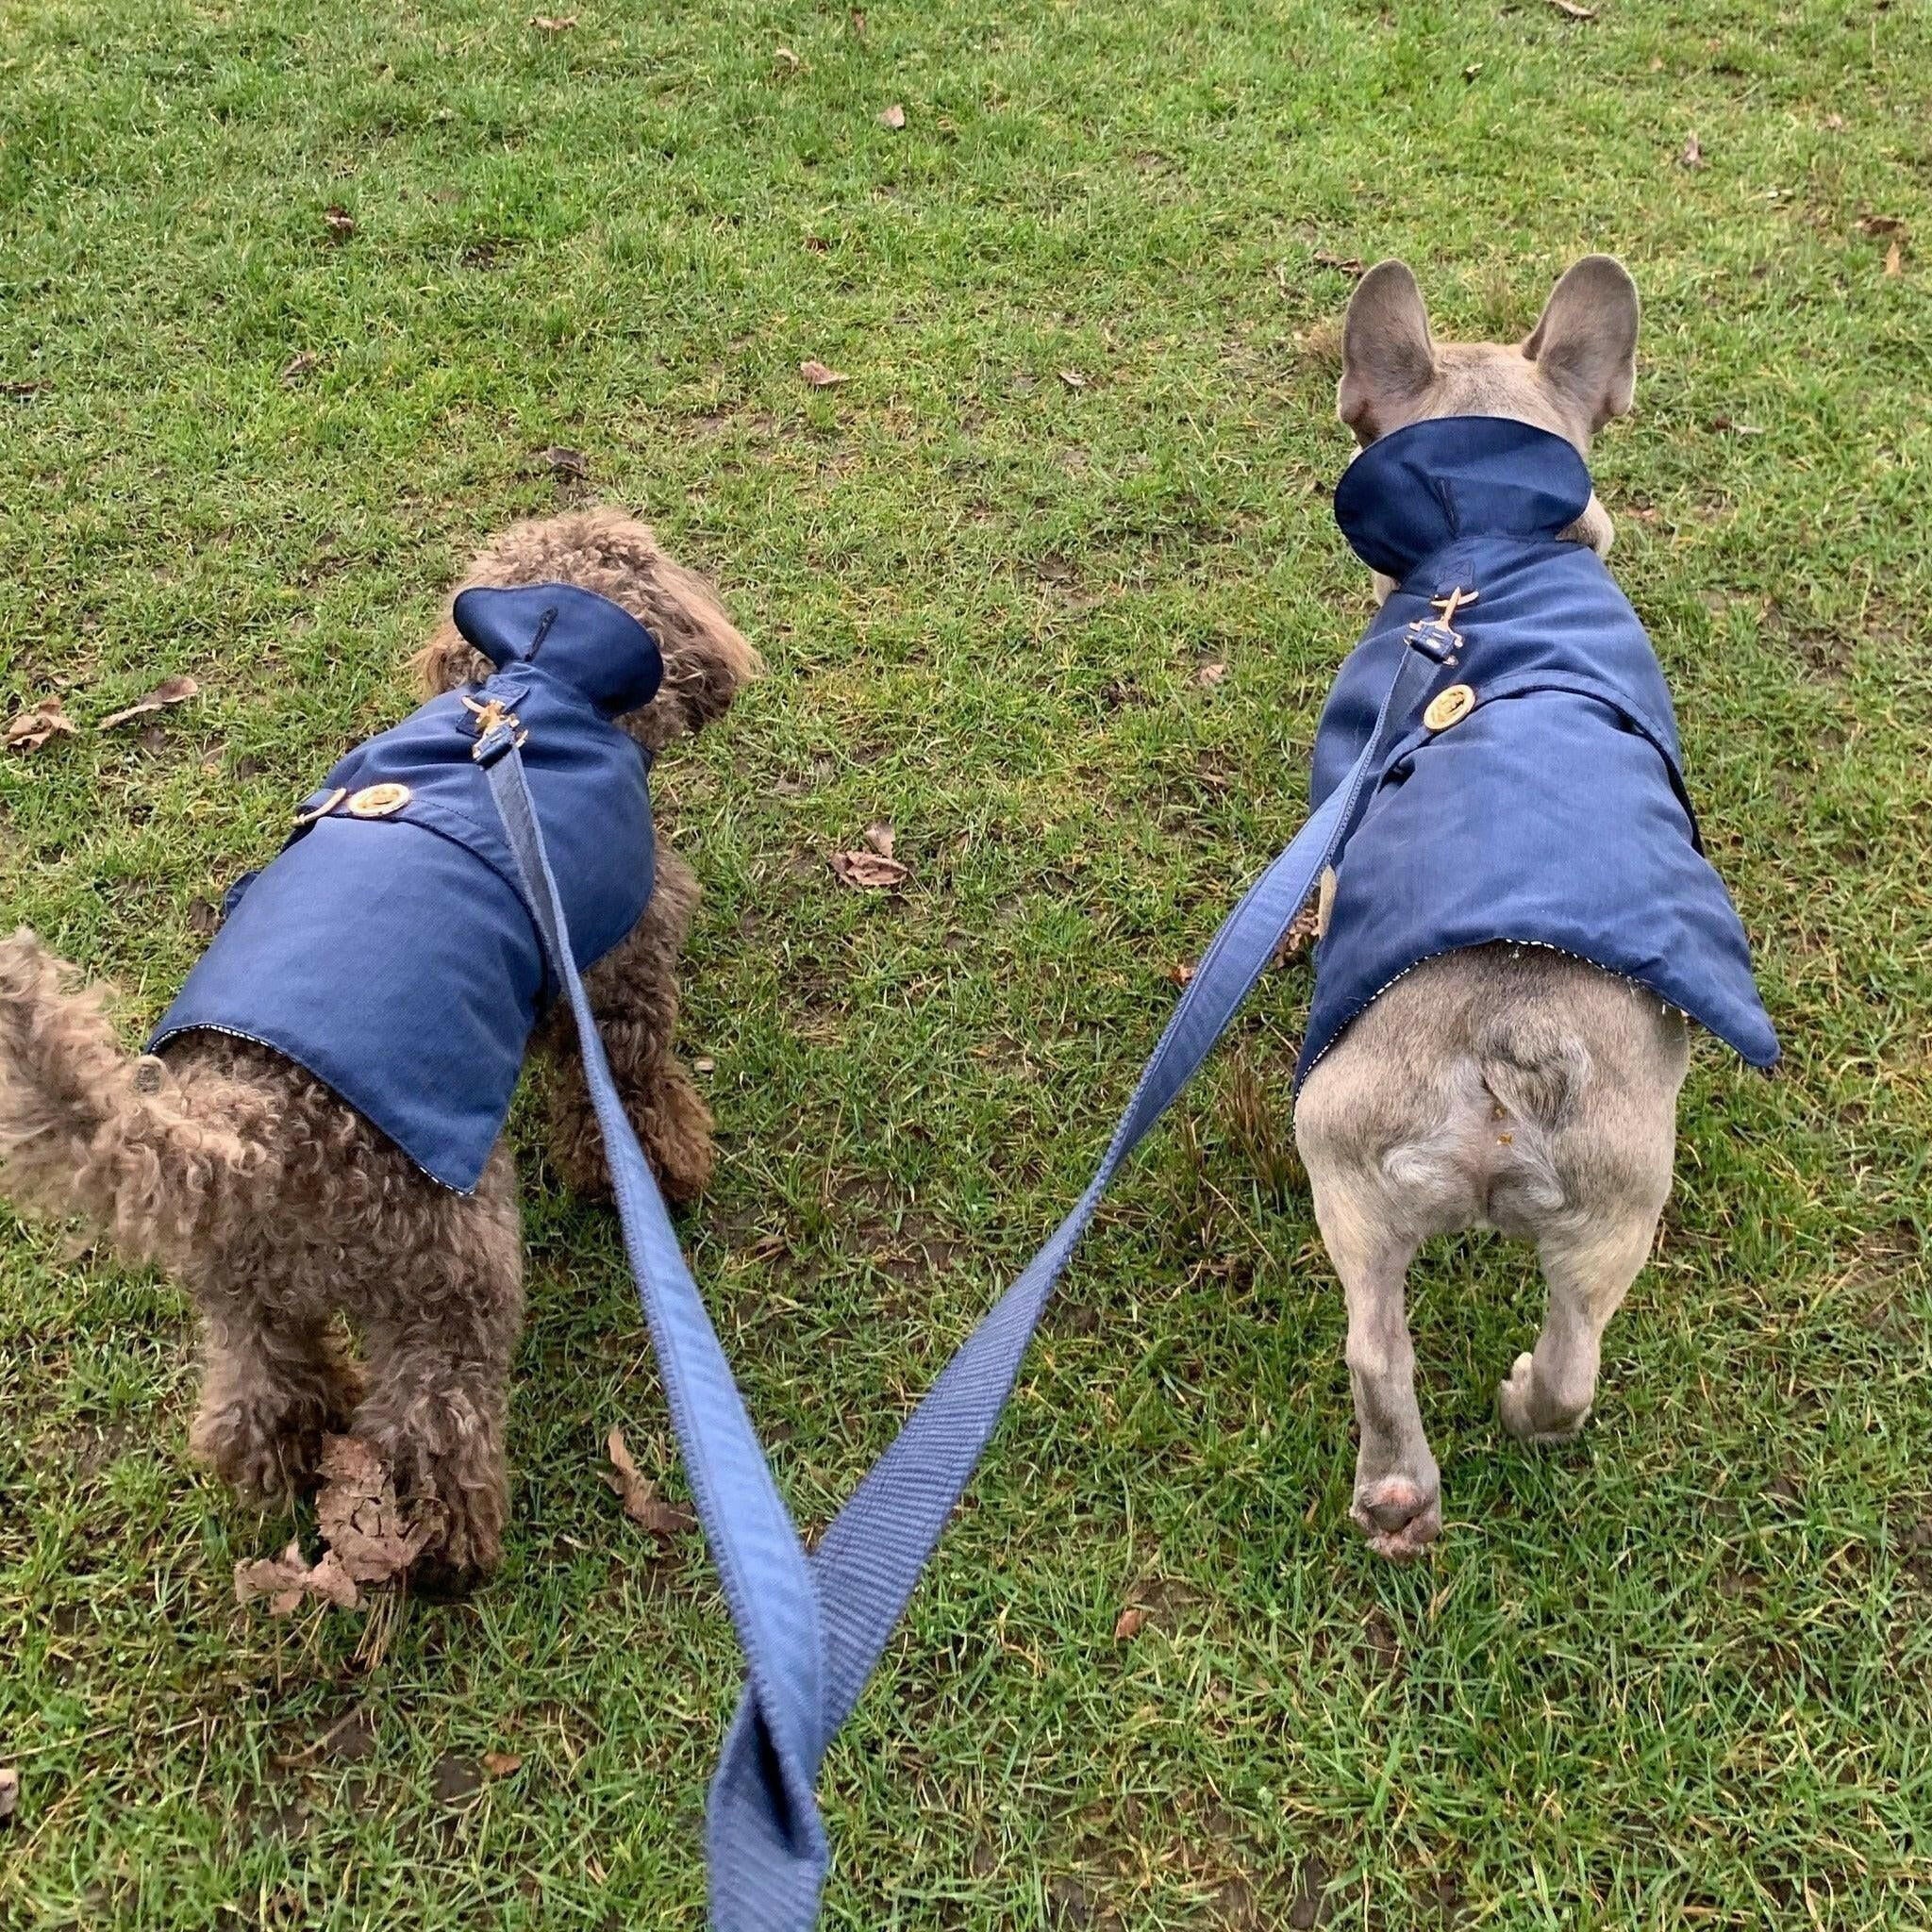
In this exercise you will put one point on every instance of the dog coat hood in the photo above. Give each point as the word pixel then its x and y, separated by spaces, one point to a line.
pixel 388 948
pixel 1536 792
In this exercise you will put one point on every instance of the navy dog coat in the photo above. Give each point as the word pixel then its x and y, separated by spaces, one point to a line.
pixel 1537 795
pixel 388 948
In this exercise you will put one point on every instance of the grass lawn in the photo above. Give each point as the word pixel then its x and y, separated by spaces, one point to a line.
pixel 1677 1674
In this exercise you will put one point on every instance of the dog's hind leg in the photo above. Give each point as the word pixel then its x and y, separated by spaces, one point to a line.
pixel 1398 1488
pixel 278 1380
pixel 633 990
pixel 1547 1396
pixel 440 1328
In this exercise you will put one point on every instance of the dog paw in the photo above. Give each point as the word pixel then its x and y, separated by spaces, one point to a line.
pixel 1524 1418
pixel 262 1450
pixel 1400 1518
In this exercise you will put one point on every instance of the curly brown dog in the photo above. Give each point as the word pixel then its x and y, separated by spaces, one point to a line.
pixel 281 1209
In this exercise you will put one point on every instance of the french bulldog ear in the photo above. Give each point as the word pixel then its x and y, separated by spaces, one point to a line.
pixel 1586 343
pixel 1388 357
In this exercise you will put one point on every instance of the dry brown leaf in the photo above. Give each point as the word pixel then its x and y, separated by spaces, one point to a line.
pixel 1180 974
pixel 552 23
pixel 792 63
pixel 1569 10
pixel 340 223
pixel 894 117
pixel 1073 379
pixel 1130 1623
pixel 644 1502
pixel 1725 426
pixel 1343 264
pixel 32 729
pixel 1471 72
pixel 299 364
pixel 704 1064
pixel 1693 155
pixel 1881 225
pixel 817 375
pixel 371 1538
pixel 870 872
pixel 285 1580
pixel 502 1763
pixel 1209 676
pixel 1894 259
pixel 9 1794
pixel 880 838
pixel 171 691
pixel 1836 122
pixel 565 462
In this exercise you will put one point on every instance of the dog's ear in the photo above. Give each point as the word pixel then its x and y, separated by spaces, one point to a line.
pixel 1586 343
pixel 1388 357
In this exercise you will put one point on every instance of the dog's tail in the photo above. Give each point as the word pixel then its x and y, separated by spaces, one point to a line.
pixel 88 1129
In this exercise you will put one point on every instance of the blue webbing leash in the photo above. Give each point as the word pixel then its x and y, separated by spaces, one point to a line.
pixel 812 1628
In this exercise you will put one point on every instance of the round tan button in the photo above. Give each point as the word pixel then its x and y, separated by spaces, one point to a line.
pixel 1446 708
pixel 323 806
pixel 379 801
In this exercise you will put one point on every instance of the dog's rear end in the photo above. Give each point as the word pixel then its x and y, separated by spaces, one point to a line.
pixel 1503 1086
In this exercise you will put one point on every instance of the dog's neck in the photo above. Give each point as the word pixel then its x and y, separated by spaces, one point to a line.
pixel 1594 528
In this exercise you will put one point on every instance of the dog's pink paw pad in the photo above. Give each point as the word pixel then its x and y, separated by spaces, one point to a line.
pixel 1399 1518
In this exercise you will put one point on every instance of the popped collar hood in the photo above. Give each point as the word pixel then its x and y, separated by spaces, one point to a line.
pixel 1409 494
pixel 1545 803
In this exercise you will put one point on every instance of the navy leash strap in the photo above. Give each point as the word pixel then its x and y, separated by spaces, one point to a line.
pixel 812 1628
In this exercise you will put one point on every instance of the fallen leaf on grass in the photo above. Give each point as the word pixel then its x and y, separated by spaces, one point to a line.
pixel 1181 975
pixel 1073 379
pixel 565 462
pixel 1895 260
pixel 371 1536
pixel 21 390
pixel 552 23
pixel 643 1501
pixel 299 364
pixel 1693 155
pixel 1471 72
pixel 32 729
pixel 1343 264
pixel 171 691
pixel 819 375
pixel 870 872
pixel 1569 10
pixel 1725 426
pixel 340 223
pixel 9 1794
pixel 880 838
pixel 1209 676
pixel 894 117
pixel 285 1580
pixel 1881 225
pixel 502 1763
pixel 1129 1625
pixel 703 1065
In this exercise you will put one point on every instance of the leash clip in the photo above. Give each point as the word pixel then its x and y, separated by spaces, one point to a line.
pixel 498 728
pixel 1435 637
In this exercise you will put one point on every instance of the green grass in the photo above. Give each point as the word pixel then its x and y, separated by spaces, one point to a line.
pixel 1675 1675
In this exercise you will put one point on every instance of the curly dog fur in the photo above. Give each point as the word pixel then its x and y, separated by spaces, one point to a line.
pixel 282 1209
